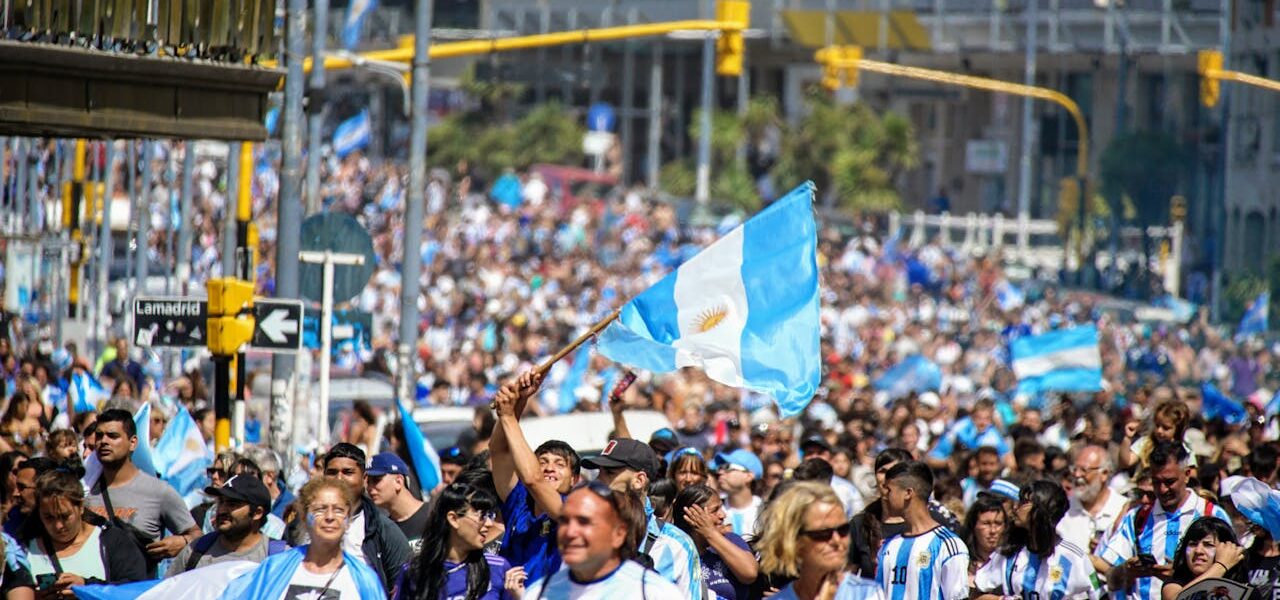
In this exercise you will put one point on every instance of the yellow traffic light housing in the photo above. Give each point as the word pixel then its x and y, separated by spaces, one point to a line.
pixel 839 66
pixel 229 296
pixel 228 334
pixel 1210 64
pixel 730 46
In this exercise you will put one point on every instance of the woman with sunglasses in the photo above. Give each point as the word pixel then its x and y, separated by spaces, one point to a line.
pixel 599 533
pixel 1036 561
pixel 452 563
pixel 728 566
pixel 805 537
pixel 320 569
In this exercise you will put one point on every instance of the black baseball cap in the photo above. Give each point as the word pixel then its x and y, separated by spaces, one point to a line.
pixel 632 454
pixel 816 440
pixel 245 488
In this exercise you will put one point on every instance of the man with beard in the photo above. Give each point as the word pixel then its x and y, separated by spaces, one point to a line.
pixel 1092 506
pixel 243 504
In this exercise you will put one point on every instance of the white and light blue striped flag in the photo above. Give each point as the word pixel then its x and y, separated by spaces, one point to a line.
pixel 205 583
pixel 357 12
pixel 352 134
pixel 1009 296
pixel 744 310
pixel 426 463
pixel 182 456
pixel 86 391
pixel 1256 501
pixel 1254 321
pixel 915 374
pixel 1066 360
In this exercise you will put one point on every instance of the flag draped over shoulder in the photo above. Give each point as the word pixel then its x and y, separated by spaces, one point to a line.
pixel 205 583
pixel 1065 360
pixel 744 310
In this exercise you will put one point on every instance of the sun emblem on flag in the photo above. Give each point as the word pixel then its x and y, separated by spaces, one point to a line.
pixel 710 318
pixel 1055 574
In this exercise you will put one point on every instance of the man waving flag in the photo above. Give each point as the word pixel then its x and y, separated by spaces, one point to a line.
pixel 745 309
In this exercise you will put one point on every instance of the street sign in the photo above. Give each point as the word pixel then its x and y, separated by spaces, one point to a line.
pixel 173 322
pixel 277 325
pixel 340 233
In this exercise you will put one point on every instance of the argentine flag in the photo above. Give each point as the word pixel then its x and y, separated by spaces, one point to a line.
pixel 181 456
pixel 141 455
pixel 915 374
pixel 1254 321
pixel 1256 501
pixel 1066 360
pixel 86 391
pixel 744 310
pixel 426 463
pixel 352 134
pixel 357 12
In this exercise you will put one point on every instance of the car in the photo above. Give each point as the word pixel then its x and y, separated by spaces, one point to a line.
pixel 588 433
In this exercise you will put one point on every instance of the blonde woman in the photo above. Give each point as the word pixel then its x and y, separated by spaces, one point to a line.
pixel 805 536
pixel 320 569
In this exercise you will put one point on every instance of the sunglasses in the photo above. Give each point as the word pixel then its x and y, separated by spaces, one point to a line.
pixel 211 472
pixel 825 535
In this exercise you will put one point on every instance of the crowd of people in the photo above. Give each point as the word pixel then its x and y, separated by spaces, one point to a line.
pixel 955 487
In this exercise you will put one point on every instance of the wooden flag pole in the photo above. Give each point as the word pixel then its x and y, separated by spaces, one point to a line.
pixel 582 339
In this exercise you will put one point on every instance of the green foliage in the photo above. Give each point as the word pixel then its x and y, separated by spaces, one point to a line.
pixel 850 152
pixel 547 134
pixel 1147 167
pixel 1242 290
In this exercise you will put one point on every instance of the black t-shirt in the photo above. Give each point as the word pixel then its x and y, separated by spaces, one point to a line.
pixel 414 526
pixel 1263 572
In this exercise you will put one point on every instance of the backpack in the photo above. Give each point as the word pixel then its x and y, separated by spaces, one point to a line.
pixel 204 543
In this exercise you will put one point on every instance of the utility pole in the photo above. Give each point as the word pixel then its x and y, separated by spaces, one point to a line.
pixel 703 192
pixel 1028 133
pixel 415 198
pixel 316 103
pixel 289 205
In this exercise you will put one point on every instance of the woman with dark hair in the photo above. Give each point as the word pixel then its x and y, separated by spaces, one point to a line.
pixel 1036 561
pixel 728 566
pixel 687 468
pixel 1208 549
pixel 986 523
pixel 453 563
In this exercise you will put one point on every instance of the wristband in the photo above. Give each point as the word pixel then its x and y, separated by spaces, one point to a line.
pixel 1225 568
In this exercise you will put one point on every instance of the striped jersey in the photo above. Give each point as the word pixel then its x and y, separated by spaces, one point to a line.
pixel 964 435
pixel 674 556
pixel 931 566
pixel 1066 574
pixel 743 520
pixel 851 587
pixel 1157 535
pixel 629 580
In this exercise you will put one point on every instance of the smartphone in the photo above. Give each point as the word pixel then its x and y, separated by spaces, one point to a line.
pixel 1147 560
pixel 622 385
pixel 45 581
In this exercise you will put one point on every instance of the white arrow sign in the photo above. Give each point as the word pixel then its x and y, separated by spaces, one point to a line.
pixel 277 326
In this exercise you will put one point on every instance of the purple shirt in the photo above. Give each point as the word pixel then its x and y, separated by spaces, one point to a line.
pixel 718 576
pixel 455 586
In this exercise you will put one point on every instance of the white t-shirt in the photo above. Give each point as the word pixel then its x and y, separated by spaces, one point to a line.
pixel 306 585
pixel 353 540
pixel 86 562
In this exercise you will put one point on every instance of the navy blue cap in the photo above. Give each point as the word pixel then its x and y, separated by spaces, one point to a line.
pixel 454 455
pixel 387 463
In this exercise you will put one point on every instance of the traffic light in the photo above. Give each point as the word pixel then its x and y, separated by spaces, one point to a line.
pixel 1210 87
pixel 730 46
pixel 230 320
pixel 839 66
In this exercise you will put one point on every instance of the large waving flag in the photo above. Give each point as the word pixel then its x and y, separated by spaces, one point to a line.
pixel 352 134
pixel 573 379
pixel 181 454
pixel 745 309
pixel 426 463
pixel 205 583
pixel 1066 360
pixel 915 374
pixel 1254 321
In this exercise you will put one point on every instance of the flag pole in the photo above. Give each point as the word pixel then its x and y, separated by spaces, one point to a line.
pixel 582 339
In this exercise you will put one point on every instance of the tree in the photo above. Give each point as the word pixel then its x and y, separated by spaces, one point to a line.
pixel 854 155
pixel 1147 167
pixel 730 181
pixel 546 134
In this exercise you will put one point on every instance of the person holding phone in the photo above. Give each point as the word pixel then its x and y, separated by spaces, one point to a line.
pixel 70 546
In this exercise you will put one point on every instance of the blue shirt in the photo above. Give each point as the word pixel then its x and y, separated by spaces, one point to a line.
pixel 966 435
pixel 455 585
pixel 718 575
pixel 530 538
pixel 282 502
pixel 851 588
